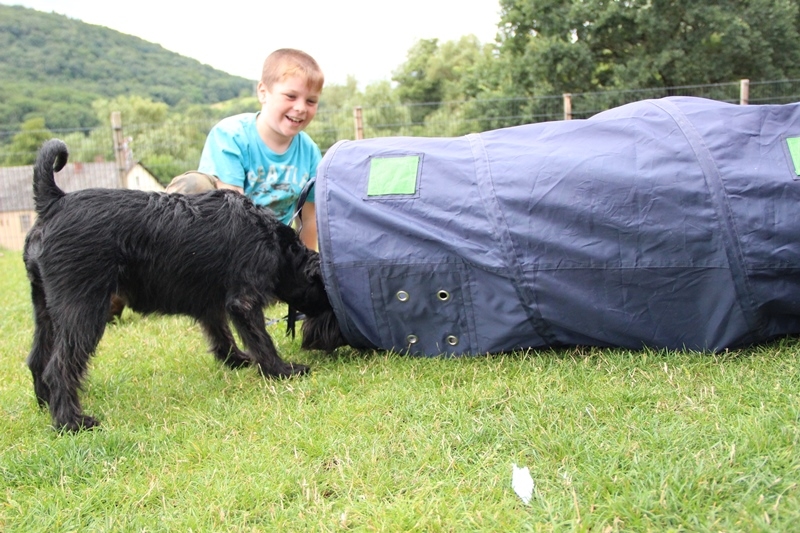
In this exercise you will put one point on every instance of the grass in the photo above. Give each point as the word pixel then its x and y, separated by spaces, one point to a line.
pixel 615 440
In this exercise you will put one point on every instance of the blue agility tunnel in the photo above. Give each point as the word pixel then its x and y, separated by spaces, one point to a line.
pixel 670 223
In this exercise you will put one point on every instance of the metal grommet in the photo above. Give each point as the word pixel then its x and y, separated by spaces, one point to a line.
pixel 452 340
pixel 412 339
pixel 402 296
pixel 443 295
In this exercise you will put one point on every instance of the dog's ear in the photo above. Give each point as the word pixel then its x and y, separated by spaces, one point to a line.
pixel 300 281
pixel 312 268
pixel 297 256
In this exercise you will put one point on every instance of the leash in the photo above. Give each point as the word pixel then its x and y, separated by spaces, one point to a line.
pixel 291 319
pixel 293 316
pixel 301 200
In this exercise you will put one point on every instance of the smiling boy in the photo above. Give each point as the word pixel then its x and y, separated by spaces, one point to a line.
pixel 266 155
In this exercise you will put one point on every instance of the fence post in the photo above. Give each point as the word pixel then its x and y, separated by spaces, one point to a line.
pixel 119 147
pixel 567 106
pixel 744 92
pixel 359 122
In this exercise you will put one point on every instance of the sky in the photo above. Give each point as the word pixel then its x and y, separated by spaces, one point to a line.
pixel 367 39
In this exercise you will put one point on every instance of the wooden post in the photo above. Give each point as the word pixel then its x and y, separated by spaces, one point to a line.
pixel 567 106
pixel 119 148
pixel 744 92
pixel 359 122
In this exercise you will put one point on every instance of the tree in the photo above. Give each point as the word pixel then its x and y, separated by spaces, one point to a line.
pixel 414 82
pixel 383 113
pixel 166 143
pixel 134 110
pixel 25 144
pixel 437 73
pixel 585 45
pixel 54 66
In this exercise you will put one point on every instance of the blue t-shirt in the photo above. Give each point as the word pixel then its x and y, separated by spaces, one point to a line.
pixel 235 153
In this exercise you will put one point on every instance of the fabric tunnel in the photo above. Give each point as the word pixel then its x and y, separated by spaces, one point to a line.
pixel 669 223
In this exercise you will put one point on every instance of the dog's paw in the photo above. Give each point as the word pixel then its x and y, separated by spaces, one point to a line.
pixel 42 392
pixel 298 369
pixel 237 360
pixel 286 370
pixel 42 399
pixel 83 422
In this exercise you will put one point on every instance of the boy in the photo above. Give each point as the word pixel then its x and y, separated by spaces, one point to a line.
pixel 266 155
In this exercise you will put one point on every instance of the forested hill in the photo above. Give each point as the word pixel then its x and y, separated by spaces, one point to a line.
pixel 55 66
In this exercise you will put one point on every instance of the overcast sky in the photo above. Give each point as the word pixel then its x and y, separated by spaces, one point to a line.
pixel 364 38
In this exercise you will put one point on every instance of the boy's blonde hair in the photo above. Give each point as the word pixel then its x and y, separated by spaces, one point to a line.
pixel 287 62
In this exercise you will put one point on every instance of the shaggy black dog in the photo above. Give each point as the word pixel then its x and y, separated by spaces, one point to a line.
pixel 215 257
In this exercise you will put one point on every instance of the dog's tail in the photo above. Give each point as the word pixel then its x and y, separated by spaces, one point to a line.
pixel 51 158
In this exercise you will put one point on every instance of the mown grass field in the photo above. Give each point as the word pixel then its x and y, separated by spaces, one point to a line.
pixel 615 440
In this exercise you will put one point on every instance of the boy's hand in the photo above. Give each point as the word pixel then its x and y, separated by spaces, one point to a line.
pixel 222 185
pixel 308 233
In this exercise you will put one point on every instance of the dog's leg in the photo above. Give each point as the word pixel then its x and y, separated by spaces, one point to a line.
pixel 248 318
pixel 77 331
pixel 64 373
pixel 220 338
pixel 42 347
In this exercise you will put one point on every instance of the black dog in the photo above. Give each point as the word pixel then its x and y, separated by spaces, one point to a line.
pixel 215 257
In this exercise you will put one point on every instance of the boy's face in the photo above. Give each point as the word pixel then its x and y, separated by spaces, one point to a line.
pixel 287 107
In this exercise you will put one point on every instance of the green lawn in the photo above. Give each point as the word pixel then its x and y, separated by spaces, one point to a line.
pixel 615 440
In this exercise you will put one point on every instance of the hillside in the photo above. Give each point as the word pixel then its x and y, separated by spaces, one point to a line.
pixel 55 66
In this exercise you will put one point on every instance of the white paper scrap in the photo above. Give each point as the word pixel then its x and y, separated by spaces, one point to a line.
pixel 522 482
